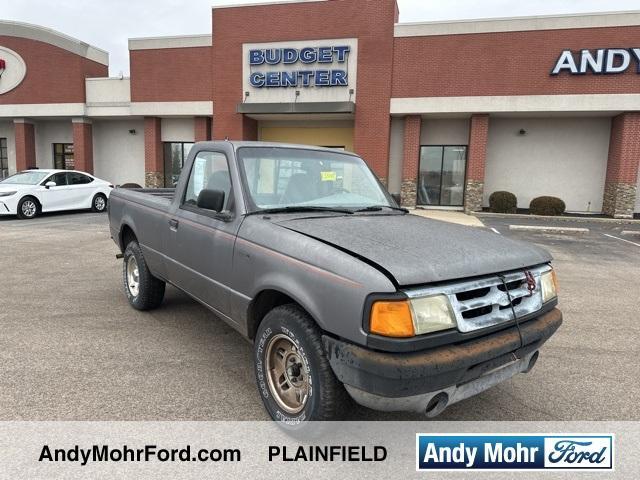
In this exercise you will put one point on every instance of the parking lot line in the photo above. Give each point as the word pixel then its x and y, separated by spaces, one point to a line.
pixel 495 230
pixel 547 229
pixel 622 239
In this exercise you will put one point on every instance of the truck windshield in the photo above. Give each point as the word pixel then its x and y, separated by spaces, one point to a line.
pixel 25 178
pixel 279 177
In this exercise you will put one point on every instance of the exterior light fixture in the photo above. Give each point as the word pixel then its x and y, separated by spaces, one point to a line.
pixel 132 131
pixel 522 132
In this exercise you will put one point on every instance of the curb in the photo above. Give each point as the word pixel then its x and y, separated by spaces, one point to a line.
pixel 585 219
pixel 531 228
pixel 631 232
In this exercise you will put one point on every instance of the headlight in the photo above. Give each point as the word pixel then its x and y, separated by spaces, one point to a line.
pixel 412 317
pixel 549 284
pixel 7 194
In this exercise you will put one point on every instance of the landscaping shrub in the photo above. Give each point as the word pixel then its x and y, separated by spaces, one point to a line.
pixel 551 206
pixel 130 185
pixel 503 202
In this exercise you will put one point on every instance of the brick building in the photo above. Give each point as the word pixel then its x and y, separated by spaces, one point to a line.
pixel 445 113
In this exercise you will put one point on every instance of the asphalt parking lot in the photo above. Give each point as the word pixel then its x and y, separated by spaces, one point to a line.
pixel 71 348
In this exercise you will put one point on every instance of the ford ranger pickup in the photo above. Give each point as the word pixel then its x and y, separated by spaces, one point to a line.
pixel 341 292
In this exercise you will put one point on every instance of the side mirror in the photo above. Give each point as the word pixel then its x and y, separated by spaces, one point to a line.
pixel 50 184
pixel 211 200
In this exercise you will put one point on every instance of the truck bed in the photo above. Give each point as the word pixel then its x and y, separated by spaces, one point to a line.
pixel 156 192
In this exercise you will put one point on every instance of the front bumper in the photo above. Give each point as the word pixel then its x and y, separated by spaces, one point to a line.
pixel 411 381
pixel 7 207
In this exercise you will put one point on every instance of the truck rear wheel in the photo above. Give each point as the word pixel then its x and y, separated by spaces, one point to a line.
pixel 294 377
pixel 143 290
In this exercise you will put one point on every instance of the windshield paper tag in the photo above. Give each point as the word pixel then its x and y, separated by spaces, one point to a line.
pixel 328 176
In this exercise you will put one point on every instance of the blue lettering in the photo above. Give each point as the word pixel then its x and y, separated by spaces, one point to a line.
pixel 289 79
pixel 322 78
pixel 256 57
pixel 256 79
pixel 305 75
pixel 290 55
pixel 325 55
pixel 308 55
pixel 341 53
pixel 339 78
pixel 272 79
pixel 273 56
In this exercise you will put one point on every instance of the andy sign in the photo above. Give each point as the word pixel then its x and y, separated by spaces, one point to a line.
pixel 514 452
pixel 602 60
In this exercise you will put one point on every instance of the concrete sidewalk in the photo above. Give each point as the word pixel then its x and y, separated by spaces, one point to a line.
pixel 449 216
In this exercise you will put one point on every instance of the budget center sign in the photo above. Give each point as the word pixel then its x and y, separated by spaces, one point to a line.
pixel 305 71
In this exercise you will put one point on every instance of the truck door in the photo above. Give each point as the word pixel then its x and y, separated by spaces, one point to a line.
pixel 199 243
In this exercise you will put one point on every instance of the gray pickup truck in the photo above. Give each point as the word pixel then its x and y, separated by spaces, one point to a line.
pixel 342 293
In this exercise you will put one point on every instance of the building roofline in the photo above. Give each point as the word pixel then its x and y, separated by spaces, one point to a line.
pixel 260 4
pixel 53 37
pixel 523 23
pixel 173 41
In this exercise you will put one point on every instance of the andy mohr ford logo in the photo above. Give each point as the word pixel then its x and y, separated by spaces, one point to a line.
pixel 514 452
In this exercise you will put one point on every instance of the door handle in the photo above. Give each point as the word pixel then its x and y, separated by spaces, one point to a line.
pixel 173 224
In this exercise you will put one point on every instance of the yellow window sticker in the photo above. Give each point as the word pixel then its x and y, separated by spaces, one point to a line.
pixel 329 176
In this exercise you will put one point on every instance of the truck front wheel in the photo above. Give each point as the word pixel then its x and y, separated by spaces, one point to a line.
pixel 294 377
pixel 143 290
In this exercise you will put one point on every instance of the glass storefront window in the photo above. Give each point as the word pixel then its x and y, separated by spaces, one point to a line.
pixel 63 156
pixel 175 153
pixel 442 175
pixel 4 159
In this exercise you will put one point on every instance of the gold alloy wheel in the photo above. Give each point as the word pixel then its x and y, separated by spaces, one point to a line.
pixel 287 374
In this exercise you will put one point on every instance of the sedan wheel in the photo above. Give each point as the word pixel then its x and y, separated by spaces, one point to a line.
pixel 99 203
pixel 27 208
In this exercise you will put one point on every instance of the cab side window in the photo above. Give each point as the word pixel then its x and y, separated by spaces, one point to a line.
pixel 210 171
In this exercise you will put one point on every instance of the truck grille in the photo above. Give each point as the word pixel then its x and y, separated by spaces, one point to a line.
pixel 484 302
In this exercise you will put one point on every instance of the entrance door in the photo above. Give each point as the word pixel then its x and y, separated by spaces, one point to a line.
pixel 442 174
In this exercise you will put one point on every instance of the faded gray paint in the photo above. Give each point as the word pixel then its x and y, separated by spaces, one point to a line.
pixel 316 259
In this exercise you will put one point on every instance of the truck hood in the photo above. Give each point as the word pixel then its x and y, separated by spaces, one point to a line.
pixel 416 250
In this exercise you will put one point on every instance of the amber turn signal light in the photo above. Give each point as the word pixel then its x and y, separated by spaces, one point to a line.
pixel 392 319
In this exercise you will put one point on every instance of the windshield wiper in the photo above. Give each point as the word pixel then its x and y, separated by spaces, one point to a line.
pixel 378 208
pixel 301 209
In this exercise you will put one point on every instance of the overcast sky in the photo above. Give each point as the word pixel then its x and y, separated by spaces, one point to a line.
pixel 108 24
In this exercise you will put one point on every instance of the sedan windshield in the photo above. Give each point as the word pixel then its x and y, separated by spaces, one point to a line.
pixel 281 178
pixel 25 178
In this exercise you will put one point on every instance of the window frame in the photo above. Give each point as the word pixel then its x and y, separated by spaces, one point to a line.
pixel 250 205
pixel 169 173
pixel 80 174
pixel 225 215
pixel 50 177
pixel 4 159
pixel 466 172
pixel 64 155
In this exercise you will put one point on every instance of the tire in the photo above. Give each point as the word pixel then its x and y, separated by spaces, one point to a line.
pixel 147 293
pixel 325 399
pixel 28 208
pixel 99 203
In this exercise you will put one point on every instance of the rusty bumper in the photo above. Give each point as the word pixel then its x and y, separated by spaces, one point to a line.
pixel 408 374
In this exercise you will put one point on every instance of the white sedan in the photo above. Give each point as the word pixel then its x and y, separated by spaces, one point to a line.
pixel 28 193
